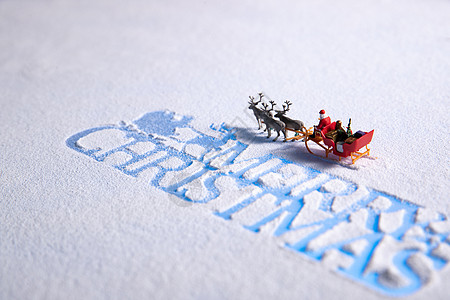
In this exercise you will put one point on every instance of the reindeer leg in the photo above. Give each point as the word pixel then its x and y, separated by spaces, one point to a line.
pixel 257 120
pixel 268 132
pixel 277 136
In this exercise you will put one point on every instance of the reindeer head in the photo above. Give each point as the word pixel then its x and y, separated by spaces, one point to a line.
pixel 252 102
pixel 267 110
pixel 280 113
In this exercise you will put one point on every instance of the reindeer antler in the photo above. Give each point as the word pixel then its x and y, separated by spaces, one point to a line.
pixel 265 105
pixel 261 95
pixel 288 103
pixel 273 104
pixel 252 99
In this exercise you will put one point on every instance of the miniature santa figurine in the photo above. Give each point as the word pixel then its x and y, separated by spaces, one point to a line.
pixel 324 120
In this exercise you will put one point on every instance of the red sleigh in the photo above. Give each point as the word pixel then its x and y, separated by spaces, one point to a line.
pixel 340 149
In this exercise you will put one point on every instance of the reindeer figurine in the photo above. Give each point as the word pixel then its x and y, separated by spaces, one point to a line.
pixel 271 123
pixel 289 123
pixel 256 111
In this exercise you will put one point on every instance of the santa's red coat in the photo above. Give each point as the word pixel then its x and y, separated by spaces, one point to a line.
pixel 324 122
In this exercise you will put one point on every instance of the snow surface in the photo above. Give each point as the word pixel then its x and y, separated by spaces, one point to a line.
pixel 380 204
pixel 141 147
pixel 356 247
pixel 72 229
pixel 390 222
pixel 343 231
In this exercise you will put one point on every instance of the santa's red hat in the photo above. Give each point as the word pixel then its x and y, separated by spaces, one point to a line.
pixel 322 114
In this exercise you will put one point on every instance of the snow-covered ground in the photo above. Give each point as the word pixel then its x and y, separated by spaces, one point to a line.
pixel 74 228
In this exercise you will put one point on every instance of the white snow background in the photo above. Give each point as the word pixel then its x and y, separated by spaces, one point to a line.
pixel 71 228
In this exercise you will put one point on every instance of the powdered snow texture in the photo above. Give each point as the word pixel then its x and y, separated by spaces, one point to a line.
pixel 117 158
pixel 171 163
pixel 335 259
pixel 289 170
pixel 382 260
pixel 228 145
pixel 390 222
pixel 392 278
pixel 272 180
pixel 104 140
pixel 286 176
pixel 426 215
pixel 185 134
pixel 310 212
pixel 147 174
pixel 256 210
pixel 222 149
pixel 422 266
pixel 146 160
pixel 414 232
pixel 230 193
pixel 213 133
pixel 434 240
pixel 295 235
pixel 196 189
pixel 341 203
pixel 270 227
pixel 356 247
pixel 292 174
pixel 341 232
pixel 442 251
pixel 440 227
pixel 359 218
pixel 195 150
pixel 133 127
pixel 172 143
pixel 238 166
pixel 221 160
pixel 334 186
pixel 175 177
pixel 177 117
pixel 262 168
pixel 310 184
pixel 141 147
pixel 380 203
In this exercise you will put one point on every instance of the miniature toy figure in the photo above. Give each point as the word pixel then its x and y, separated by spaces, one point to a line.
pixel 338 134
pixel 349 130
pixel 256 111
pixel 334 139
pixel 288 122
pixel 324 120
pixel 330 137
pixel 271 123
